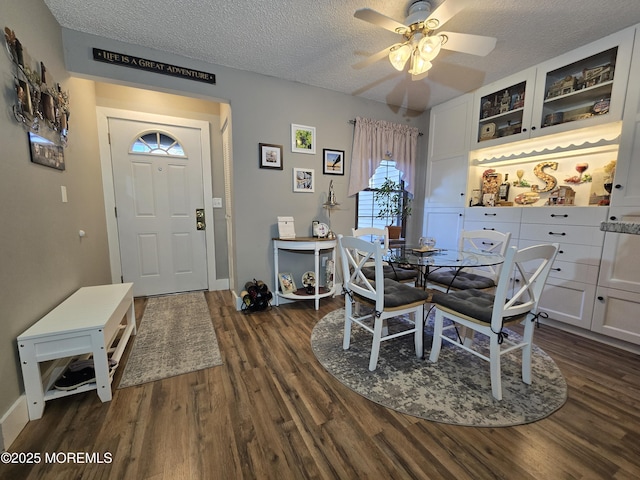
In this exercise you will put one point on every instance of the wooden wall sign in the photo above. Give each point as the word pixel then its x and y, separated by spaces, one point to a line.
pixel 100 55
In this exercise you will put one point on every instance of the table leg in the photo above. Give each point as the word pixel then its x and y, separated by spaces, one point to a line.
pixel 316 269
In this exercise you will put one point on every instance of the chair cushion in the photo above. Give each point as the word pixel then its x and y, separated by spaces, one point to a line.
pixel 395 273
pixel 472 303
pixel 462 281
pixel 397 294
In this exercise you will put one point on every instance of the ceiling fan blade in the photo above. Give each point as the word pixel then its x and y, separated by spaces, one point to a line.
pixel 379 19
pixel 447 10
pixel 467 43
pixel 376 57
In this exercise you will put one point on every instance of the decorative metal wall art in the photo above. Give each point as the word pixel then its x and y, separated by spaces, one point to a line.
pixel 41 104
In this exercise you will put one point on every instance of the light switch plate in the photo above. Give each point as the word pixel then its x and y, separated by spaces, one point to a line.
pixel 217 203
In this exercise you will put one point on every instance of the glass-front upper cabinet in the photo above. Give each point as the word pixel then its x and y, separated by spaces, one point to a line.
pixel 502 110
pixel 581 88
pixel 584 87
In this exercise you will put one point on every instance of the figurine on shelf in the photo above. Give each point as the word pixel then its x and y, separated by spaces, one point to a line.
pixel 505 102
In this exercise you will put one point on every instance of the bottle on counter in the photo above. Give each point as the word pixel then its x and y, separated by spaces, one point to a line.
pixel 503 190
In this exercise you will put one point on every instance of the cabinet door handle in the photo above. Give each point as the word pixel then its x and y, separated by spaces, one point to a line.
pixel 618 186
pixel 552 233
pixel 601 298
pixel 557 269
pixel 533 128
pixel 487 243
pixel 560 251
pixel 553 215
pixel 524 129
pixel 462 194
pixel 490 214
pixel 613 218
pixel 485 228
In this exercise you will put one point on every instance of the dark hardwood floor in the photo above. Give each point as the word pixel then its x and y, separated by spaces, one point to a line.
pixel 272 412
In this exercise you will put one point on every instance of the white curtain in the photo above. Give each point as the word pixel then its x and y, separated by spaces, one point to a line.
pixel 377 140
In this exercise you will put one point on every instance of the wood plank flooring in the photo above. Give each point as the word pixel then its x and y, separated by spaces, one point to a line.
pixel 272 412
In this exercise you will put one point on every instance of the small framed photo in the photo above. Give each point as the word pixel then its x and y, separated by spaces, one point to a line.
pixel 303 180
pixel 271 156
pixel 333 162
pixel 24 98
pixel 287 284
pixel 303 139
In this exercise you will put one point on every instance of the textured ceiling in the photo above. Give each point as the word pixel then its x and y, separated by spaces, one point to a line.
pixel 316 42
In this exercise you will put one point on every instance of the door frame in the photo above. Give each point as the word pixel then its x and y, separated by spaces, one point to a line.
pixel 103 114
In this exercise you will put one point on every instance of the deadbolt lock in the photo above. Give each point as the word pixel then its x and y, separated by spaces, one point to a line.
pixel 200 223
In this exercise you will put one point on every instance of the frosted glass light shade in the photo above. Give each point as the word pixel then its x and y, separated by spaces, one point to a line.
pixel 398 56
pixel 429 47
pixel 418 64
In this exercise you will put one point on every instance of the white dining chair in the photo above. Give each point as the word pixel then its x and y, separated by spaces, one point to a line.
pixel 385 297
pixel 395 272
pixel 488 314
pixel 492 241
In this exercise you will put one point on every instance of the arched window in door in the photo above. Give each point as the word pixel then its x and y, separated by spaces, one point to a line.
pixel 157 143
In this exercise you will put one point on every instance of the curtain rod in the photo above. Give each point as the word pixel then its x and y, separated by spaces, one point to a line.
pixel 353 122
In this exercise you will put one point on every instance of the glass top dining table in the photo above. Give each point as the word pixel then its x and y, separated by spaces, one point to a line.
pixel 427 260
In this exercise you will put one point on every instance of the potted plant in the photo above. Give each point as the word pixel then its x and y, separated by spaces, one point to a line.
pixel 393 204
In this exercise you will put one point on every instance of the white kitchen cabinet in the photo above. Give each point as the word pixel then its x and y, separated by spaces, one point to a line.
pixel 626 191
pixel 502 110
pixel 581 88
pixel 570 289
pixel 620 268
pixel 448 159
pixel 447 166
pixel 444 224
pixel 616 314
pixel 617 298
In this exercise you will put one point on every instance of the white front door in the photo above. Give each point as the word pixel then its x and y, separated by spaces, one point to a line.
pixel 157 176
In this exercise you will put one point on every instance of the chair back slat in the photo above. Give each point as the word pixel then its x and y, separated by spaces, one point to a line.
pixel 355 254
pixel 485 240
pixel 533 278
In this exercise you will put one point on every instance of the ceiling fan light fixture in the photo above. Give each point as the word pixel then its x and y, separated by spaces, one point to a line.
pixel 399 55
pixel 418 64
pixel 429 47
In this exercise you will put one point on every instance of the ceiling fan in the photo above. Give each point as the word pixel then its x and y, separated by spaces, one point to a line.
pixel 421 43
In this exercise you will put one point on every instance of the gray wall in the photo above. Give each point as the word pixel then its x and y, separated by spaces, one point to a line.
pixel 44 260
pixel 263 109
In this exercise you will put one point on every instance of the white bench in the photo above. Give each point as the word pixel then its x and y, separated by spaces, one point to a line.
pixel 86 323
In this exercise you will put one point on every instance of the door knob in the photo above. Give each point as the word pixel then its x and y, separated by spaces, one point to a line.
pixel 200 223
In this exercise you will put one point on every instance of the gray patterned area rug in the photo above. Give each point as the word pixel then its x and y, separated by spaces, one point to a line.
pixel 176 336
pixel 455 390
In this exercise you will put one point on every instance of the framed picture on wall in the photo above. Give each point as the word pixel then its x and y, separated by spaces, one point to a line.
pixel 303 180
pixel 333 162
pixel 46 152
pixel 303 139
pixel 271 156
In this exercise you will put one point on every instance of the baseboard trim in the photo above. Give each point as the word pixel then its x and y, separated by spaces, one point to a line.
pixel 13 421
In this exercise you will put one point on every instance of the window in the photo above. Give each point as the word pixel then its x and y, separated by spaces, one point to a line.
pixel 367 208
pixel 157 143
